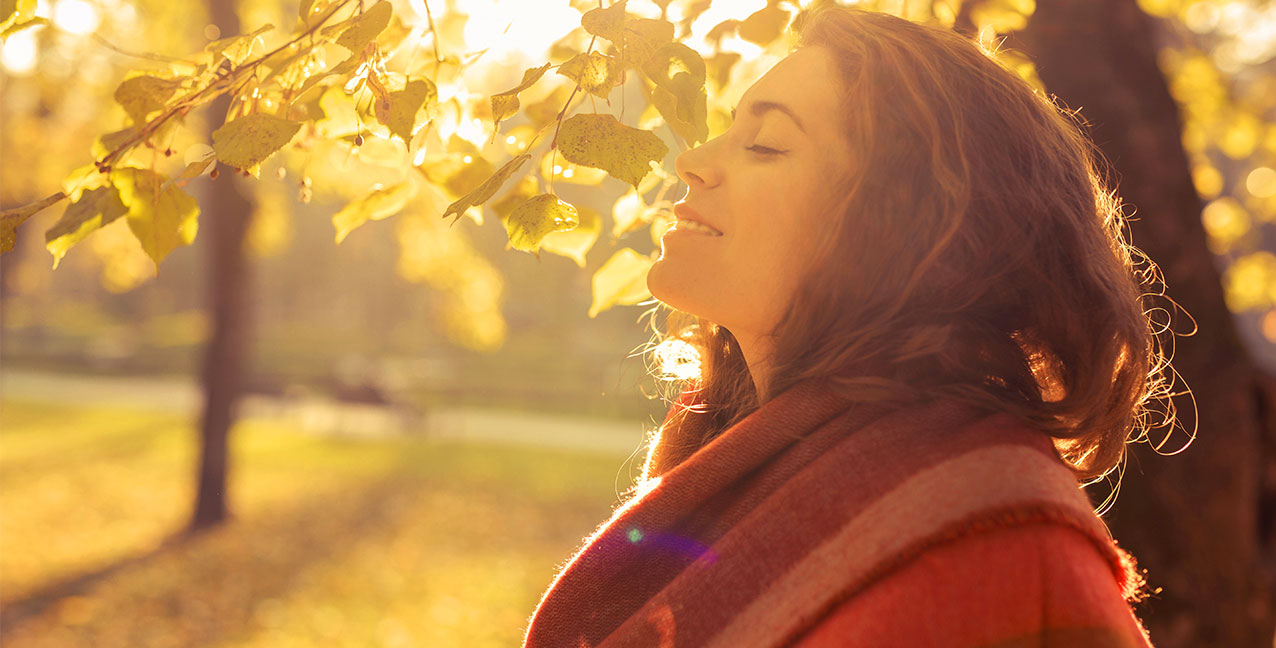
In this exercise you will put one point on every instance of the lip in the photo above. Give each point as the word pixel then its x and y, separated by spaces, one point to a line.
pixel 685 212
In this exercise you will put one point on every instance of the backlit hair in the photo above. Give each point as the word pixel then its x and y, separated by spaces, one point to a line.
pixel 979 255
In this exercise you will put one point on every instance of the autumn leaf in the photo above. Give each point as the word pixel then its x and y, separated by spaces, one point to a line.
pixel 10 219
pixel 621 280
pixel 537 218
pixel 380 204
pixel 630 212
pixel 236 49
pixel 308 10
pixel 364 27
pixel 643 37
pixel 20 26
pixel 246 142
pixel 718 67
pixel 95 209
pixel 522 190
pixel 198 158
pixel 399 115
pixel 595 72
pixel 577 242
pixel 608 23
pixel 487 189
pixel 765 25
pixel 161 216
pixel 13 12
pixel 602 142
pixel 142 95
pixel 686 114
pixel 679 74
pixel 107 142
pixel 506 103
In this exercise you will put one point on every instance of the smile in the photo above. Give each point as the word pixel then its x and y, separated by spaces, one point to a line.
pixel 693 226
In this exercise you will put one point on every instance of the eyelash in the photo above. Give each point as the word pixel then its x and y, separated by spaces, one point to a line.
pixel 760 150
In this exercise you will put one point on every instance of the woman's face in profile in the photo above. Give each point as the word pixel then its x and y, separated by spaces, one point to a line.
pixel 760 185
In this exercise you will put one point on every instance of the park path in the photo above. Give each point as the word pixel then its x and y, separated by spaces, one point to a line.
pixel 328 416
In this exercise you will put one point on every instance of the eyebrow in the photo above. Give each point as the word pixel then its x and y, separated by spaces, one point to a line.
pixel 760 107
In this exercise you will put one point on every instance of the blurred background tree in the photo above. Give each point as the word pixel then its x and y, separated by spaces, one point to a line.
pixel 419 315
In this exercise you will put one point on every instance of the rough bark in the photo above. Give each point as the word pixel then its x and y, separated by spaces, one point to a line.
pixel 224 222
pixel 1193 519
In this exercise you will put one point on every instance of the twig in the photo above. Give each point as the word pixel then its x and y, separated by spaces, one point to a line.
pixel 218 86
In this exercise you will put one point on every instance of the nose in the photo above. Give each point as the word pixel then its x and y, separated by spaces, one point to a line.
pixel 696 167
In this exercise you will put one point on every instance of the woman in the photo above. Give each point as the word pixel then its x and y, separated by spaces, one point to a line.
pixel 918 328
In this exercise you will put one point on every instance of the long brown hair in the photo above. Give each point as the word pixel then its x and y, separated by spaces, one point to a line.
pixel 979 255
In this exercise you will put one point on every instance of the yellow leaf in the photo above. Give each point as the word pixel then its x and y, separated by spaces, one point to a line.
pixel 20 26
pixel 621 280
pixel 400 115
pixel 608 23
pixel 643 36
pixel 82 179
pixel 108 142
pixel 309 10
pixel 523 189
pixel 10 219
pixel 505 104
pixel 365 27
pixel 718 67
pixel 628 213
pixel 94 209
pixel 161 215
pixel 764 26
pixel 246 142
pixel 142 95
pixel 537 218
pixel 199 157
pixel 487 189
pixel 602 142
pixel 576 243
pixel 15 11
pixel 235 49
pixel 381 203
pixel 595 72
pixel 687 113
pixel 545 112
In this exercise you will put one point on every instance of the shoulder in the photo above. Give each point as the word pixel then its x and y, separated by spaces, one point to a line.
pixel 1043 583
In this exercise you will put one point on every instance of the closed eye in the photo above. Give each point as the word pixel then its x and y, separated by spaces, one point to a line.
pixel 762 150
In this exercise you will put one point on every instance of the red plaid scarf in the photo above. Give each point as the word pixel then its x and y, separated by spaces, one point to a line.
pixel 752 538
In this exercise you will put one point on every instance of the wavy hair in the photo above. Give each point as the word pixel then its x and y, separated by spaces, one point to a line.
pixel 980 255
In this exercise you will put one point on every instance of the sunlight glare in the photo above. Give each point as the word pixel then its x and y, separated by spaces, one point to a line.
pixel 526 27
pixel 19 53
pixel 716 13
pixel 677 360
pixel 1202 17
pixel 472 131
pixel 76 16
pixel 1261 182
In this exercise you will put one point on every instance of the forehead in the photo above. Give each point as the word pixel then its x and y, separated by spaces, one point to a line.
pixel 806 80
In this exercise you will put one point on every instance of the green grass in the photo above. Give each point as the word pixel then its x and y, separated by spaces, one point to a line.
pixel 335 542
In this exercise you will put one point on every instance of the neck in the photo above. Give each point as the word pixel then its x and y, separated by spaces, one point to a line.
pixel 757 353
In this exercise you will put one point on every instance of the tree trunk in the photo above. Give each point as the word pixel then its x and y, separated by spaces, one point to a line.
pixel 225 222
pixel 1192 519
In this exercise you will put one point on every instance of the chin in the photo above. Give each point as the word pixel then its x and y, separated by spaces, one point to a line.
pixel 672 289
